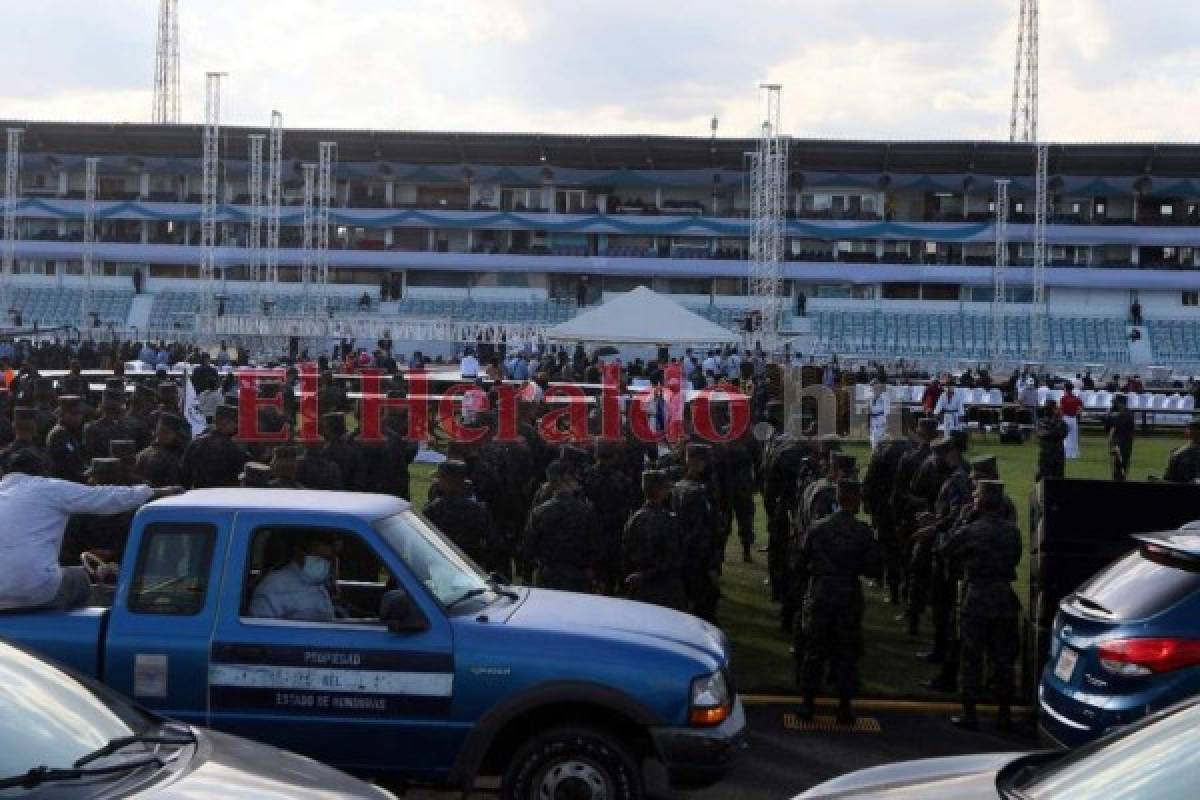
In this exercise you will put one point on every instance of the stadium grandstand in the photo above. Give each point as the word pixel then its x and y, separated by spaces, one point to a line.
pixel 889 249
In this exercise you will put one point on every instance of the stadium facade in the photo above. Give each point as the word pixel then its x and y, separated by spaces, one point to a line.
pixel 890 243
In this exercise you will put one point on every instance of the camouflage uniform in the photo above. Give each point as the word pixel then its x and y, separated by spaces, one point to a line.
pixel 652 549
pixel 65 452
pixel 837 549
pixel 954 495
pixel 561 540
pixel 212 459
pixel 100 433
pixel 465 521
pixel 692 502
pixel 160 466
pixel 611 494
pixel 1184 464
pixel 781 488
pixel 317 471
pixel 1052 458
pixel 741 459
pixel 878 486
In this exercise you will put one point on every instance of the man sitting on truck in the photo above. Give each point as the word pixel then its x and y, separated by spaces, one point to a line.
pixel 299 589
pixel 38 509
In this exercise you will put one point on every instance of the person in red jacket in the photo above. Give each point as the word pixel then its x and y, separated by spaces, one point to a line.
pixel 1070 405
pixel 933 390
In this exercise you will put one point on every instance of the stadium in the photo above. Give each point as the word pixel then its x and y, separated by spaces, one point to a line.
pixel 889 246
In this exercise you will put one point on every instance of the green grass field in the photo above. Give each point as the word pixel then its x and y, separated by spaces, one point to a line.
pixel 889 668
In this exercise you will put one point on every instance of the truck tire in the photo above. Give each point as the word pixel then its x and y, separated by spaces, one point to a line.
pixel 572 763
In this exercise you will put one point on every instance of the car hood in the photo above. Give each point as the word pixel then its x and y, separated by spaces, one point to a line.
pixel 956 777
pixel 232 768
pixel 637 623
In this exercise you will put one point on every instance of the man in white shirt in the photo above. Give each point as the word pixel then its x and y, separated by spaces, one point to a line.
pixel 298 590
pixel 469 366
pixel 37 509
pixel 949 409
pixel 877 412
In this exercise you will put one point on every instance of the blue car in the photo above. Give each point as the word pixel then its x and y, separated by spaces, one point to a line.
pixel 1127 642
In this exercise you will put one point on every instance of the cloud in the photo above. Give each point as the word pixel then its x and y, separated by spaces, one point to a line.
pixel 1111 70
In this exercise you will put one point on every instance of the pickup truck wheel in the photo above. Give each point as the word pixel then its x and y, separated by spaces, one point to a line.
pixel 572 763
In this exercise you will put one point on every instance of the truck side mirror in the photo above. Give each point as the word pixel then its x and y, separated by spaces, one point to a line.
pixel 400 614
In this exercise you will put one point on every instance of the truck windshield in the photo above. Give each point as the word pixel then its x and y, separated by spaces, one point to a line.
pixel 437 563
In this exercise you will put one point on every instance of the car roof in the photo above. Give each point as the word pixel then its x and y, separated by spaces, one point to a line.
pixel 360 504
pixel 1185 541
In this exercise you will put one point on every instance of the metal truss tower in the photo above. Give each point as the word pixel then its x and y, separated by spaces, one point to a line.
pixel 1038 333
pixel 306 232
pixel 768 203
pixel 166 65
pixel 274 199
pixel 12 188
pixel 999 273
pixel 208 213
pixel 325 188
pixel 255 185
pixel 1023 121
pixel 88 306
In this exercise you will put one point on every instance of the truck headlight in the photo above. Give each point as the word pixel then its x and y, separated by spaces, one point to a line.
pixel 710 701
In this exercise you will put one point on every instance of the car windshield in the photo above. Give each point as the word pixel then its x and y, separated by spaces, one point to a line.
pixel 51 717
pixel 1157 758
pixel 436 562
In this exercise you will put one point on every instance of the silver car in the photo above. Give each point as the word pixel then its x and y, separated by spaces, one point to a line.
pixel 64 736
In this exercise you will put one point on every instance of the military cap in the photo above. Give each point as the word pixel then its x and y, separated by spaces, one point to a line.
pixel 927 425
pixel 24 414
pixel 985 467
pixel 849 487
pixel 285 452
pixel 255 475
pixel 452 469
pixel 844 462
pixel 122 448
pixel 655 479
pixel 69 402
pixel 334 422
pixel 105 470
pixel 113 399
pixel 943 446
pixel 114 384
pixel 699 451
pixel 226 411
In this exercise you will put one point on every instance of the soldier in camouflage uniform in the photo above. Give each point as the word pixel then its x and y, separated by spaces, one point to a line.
pixel 315 470
pixel 989 550
pixel 104 535
pixel 818 500
pixel 64 446
pixel 652 547
pixel 780 474
pixel 923 494
pixel 953 495
pixel 343 452
pixel 562 534
pixel 742 457
pixel 696 512
pixel 99 434
pixel 24 437
pixel 878 486
pixel 610 492
pixel 45 401
pixel 255 475
pixel 139 422
pixel 906 507
pixel 126 450
pixel 838 549
pixel 1183 466
pixel 159 464
pixel 214 459
pixel 1051 434
pixel 284 466
pixel 463 519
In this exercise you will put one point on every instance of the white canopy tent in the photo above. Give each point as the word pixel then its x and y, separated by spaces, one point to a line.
pixel 641 317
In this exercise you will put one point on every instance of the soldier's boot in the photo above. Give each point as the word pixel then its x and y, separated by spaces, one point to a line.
pixel 808 707
pixel 968 719
pixel 1004 718
pixel 845 712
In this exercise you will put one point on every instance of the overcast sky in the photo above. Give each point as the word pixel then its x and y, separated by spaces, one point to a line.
pixel 1111 69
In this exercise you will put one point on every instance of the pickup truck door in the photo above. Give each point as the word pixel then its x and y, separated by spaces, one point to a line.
pixel 350 693
pixel 160 628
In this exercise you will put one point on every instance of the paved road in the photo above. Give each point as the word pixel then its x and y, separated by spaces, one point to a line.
pixel 781 761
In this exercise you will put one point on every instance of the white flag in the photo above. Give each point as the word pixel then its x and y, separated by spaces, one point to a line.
pixel 191 409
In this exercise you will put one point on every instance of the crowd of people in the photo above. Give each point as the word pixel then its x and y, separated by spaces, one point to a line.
pixel 648 521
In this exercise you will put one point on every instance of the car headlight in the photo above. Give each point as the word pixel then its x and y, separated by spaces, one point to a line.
pixel 710 703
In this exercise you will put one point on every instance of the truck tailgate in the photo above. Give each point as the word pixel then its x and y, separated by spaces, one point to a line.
pixel 72 638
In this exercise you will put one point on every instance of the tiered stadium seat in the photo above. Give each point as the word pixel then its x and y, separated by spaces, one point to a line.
pixel 1175 341
pixel 175 310
pixel 54 306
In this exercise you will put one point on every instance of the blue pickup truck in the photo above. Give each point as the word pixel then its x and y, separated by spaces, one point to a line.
pixel 429 672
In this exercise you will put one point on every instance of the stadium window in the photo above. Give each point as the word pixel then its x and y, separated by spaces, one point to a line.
pixel 1019 207
pixel 1191 298
pixel 901 291
pixel 1076 208
pixel 1101 207
pixel 1166 210
pixel 940 291
pixel 931 248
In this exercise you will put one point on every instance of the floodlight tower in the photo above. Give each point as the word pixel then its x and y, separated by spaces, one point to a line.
pixel 768 193
pixel 306 234
pixel 255 181
pixel 208 212
pixel 88 305
pixel 274 199
pixel 12 187
pixel 325 188
pixel 166 65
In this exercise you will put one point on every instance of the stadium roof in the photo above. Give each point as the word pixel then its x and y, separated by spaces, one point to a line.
pixel 618 152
